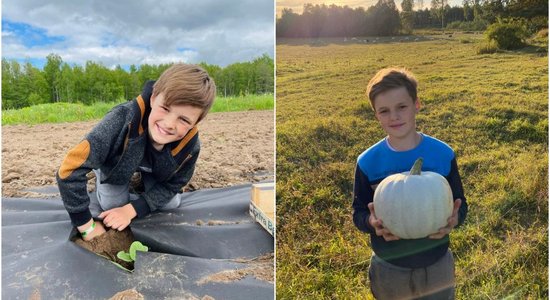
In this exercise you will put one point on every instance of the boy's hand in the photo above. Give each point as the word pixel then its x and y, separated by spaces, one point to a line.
pixel 98 230
pixel 379 227
pixel 118 218
pixel 452 221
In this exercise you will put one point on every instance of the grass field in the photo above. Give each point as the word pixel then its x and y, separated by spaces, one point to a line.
pixel 491 109
pixel 72 112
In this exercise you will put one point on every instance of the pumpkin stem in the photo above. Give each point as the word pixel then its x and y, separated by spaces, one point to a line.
pixel 417 167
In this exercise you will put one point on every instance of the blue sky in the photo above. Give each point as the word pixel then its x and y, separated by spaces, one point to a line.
pixel 126 32
pixel 30 36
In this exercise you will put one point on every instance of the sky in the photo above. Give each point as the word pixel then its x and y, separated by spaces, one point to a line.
pixel 126 32
pixel 297 5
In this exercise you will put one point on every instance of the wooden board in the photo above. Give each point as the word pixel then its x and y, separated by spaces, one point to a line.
pixel 262 205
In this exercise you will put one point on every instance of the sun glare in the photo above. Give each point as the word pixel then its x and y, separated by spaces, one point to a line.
pixel 298 5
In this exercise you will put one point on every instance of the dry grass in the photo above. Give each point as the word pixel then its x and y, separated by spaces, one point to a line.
pixel 491 108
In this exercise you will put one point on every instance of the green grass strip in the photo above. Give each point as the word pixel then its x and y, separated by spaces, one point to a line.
pixel 251 102
pixel 74 112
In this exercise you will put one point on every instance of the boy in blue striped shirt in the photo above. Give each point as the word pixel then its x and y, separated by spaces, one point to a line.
pixel 405 268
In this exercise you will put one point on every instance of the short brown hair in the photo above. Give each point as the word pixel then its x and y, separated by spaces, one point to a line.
pixel 391 78
pixel 188 85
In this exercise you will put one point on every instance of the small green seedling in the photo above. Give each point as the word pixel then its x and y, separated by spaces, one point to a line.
pixel 130 256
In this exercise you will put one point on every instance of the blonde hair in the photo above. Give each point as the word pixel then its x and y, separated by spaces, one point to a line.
pixel 391 78
pixel 185 84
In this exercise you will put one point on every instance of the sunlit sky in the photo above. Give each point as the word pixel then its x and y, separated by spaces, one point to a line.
pixel 297 5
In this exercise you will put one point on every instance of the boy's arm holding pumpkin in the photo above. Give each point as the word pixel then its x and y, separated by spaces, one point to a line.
pixel 362 196
pixel 460 207
pixel 458 192
pixel 364 217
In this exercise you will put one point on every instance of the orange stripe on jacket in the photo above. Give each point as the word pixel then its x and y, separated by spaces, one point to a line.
pixel 141 104
pixel 74 159
pixel 185 140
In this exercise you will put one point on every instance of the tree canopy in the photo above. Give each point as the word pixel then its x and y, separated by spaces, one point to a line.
pixel 26 85
pixel 384 18
pixel 333 21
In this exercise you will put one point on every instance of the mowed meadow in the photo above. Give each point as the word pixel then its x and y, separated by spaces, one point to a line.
pixel 492 109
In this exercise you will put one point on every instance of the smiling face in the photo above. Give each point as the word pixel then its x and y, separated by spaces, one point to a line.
pixel 396 112
pixel 170 123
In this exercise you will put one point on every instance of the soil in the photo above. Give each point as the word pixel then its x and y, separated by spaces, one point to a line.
pixel 128 295
pixel 215 222
pixel 236 148
pixel 132 294
pixel 35 295
pixel 109 244
pixel 261 268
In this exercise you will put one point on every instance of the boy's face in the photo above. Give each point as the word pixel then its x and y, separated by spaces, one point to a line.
pixel 396 112
pixel 170 123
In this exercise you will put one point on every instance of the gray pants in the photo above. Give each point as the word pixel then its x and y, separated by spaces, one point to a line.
pixel 111 196
pixel 433 282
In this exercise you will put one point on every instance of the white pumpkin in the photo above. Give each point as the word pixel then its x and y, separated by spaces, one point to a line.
pixel 413 204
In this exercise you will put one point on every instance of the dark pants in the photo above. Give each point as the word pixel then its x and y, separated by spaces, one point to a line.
pixel 435 282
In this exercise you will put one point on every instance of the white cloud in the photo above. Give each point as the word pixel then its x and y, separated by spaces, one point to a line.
pixel 6 34
pixel 135 32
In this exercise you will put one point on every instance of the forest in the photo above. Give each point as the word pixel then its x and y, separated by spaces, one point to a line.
pixel 384 18
pixel 25 85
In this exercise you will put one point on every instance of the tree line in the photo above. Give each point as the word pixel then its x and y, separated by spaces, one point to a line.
pixel 25 85
pixel 383 18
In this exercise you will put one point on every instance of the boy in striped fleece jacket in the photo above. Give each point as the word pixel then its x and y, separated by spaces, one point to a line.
pixel 155 134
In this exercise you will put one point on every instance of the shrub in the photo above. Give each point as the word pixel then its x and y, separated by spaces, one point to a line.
pixel 507 35
pixel 543 33
pixel 476 25
pixel 34 99
pixel 541 36
pixel 454 25
pixel 487 47
pixel 537 23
